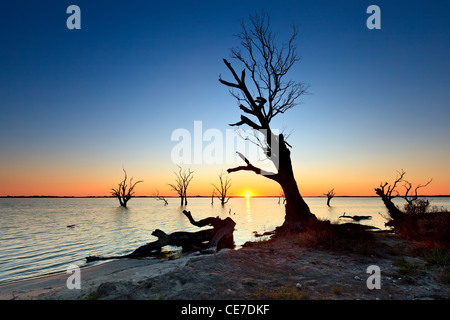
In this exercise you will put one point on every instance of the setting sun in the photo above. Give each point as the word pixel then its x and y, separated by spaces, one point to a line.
pixel 247 195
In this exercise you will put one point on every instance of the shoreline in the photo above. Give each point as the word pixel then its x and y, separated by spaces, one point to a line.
pixel 279 269
pixel 44 275
pixel 114 270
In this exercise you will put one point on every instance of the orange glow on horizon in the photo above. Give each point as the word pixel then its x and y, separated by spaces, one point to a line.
pixel 98 183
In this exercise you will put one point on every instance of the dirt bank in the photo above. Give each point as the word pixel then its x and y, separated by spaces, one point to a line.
pixel 280 269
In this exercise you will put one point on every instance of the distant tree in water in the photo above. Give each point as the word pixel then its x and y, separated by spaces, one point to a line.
pixel 222 190
pixel 263 92
pixel 330 195
pixel 161 198
pixel 125 192
pixel 182 181
pixel 282 196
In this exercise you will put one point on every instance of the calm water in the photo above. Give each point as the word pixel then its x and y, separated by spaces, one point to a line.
pixel 35 239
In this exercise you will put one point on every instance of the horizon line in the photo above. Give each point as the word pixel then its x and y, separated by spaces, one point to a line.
pixel 199 196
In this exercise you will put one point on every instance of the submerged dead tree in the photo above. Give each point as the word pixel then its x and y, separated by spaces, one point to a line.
pixel 282 196
pixel 161 198
pixel 209 240
pixel 330 195
pixel 263 92
pixel 222 190
pixel 182 181
pixel 123 191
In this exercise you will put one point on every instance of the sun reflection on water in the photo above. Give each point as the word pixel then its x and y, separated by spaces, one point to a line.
pixel 248 209
pixel 36 239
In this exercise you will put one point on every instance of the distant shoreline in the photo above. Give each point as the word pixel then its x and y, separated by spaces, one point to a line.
pixel 174 197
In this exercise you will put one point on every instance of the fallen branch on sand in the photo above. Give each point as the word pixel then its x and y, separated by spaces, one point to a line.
pixel 219 237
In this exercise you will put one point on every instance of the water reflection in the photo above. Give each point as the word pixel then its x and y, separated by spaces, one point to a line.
pixel 248 210
pixel 331 209
pixel 35 239
pixel 120 210
pixel 332 213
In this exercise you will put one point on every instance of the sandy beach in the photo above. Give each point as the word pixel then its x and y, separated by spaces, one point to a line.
pixel 279 269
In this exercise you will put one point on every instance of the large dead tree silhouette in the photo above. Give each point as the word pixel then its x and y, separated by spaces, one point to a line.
pixel 182 181
pixel 124 192
pixel 415 221
pixel 263 93
pixel 387 192
pixel 222 190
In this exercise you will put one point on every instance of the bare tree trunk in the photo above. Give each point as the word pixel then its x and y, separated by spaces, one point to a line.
pixel 394 212
pixel 125 192
pixel 183 179
pixel 222 189
pixel 330 195
pixel 297 211
pixel 386 196
pixel 405 223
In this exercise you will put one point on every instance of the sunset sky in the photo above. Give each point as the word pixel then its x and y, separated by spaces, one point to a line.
pixel 78 105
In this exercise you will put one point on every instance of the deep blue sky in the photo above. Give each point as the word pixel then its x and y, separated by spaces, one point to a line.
pixel 76 105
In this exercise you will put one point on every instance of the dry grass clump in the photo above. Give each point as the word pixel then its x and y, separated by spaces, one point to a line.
pixel 334 237
pixel 429 229
pixel 432 228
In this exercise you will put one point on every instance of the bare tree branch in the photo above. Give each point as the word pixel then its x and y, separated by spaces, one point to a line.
pixel 330 195
pixel 408 186
pixel 250 167
pixel 123 192
pixel 414 205
pixel 222 190
pixel 268 64
pixel 160 198
pixel 391 188
pixel 183 179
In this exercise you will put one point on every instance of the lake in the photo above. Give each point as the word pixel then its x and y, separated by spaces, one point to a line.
pixel 35 239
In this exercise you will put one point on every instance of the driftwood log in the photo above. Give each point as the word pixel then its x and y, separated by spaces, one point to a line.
pixel 219 237
pixel 356 218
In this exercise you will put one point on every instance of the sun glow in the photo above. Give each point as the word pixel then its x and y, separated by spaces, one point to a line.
pixel 248 195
